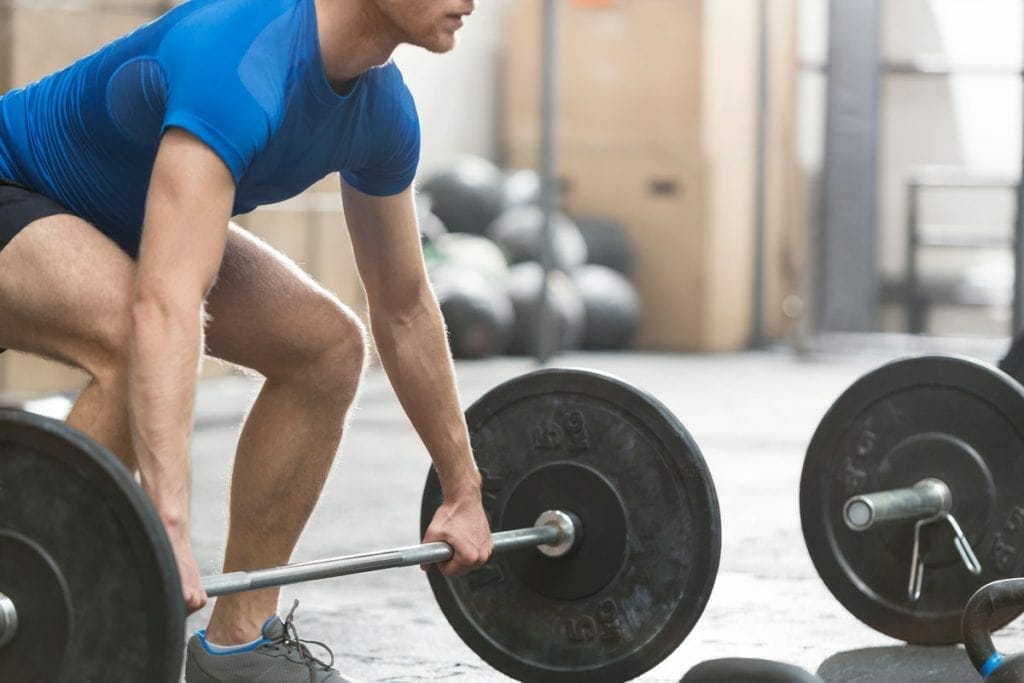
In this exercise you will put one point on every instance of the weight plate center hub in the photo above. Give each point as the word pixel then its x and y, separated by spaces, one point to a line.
pixel 953 462
pixel 596 557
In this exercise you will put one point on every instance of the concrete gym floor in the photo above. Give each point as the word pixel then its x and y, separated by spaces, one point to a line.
pixel 752 415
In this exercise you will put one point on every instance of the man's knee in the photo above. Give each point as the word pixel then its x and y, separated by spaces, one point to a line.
pixel 333 354
pixel 107 351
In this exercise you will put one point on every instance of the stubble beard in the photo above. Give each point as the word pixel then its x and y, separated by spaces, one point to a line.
pixel 439 43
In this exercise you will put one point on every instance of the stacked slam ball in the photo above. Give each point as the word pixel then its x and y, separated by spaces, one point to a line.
pixel 483 241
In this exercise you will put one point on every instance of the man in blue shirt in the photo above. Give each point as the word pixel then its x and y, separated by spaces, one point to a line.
pixel 118 179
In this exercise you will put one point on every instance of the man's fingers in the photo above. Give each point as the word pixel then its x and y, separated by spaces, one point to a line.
pixel 466 530
pixel 194 603
pixel 453 568
pixel 434 536
pixel 464 560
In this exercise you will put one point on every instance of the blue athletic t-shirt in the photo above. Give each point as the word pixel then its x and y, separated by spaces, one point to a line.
pixel 243 76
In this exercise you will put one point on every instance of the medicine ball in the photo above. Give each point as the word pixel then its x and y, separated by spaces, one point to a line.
pixel 519 231
pixel 607 243
pixel 565 302
pixel 431 227
pixel 470 252
pixel 477 311
pixel 611 305
pixel 467 194
pixel 522 188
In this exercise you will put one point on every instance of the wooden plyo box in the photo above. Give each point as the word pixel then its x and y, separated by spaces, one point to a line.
pixel 629 75
pixel 693 281
pixel 657 106
pixel 41 38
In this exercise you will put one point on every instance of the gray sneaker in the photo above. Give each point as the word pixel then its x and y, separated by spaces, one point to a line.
pixel 280 657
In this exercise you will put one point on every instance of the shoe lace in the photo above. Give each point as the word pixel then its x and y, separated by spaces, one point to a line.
pixel 290 639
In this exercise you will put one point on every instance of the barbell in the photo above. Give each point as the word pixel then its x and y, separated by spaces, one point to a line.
pixel 597 475
pixel 915 471
pixel 912 494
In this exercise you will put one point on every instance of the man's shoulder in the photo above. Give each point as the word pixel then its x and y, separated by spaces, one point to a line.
pixel 240 49
pixel 387 76
pixel 389 89
pixel 225 26
pixel 228 14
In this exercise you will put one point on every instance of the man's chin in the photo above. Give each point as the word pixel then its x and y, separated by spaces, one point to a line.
pixel 440 44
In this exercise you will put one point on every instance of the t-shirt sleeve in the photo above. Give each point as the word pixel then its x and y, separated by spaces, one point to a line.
pixel 208 96
pixel 394 154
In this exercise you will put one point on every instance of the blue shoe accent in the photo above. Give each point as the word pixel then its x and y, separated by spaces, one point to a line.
pixel 214 649
pixel 280 654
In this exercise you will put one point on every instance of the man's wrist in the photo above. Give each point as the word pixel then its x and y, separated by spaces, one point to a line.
pixel 172 513
pixel 466 487
pixel 175 523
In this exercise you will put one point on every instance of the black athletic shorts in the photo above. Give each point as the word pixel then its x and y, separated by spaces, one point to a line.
pixel 20 206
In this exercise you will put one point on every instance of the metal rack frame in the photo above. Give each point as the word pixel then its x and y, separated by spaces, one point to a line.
pixel 915 301
pixel 849 295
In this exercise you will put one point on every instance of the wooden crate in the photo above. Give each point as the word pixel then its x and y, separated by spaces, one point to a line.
pixel 23 376
pixel 628 74
pixel 653 90
pixel 693 275
pixel 43 39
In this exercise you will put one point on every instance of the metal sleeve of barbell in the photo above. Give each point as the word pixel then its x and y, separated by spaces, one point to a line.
pixel 925 499
pixel 428 553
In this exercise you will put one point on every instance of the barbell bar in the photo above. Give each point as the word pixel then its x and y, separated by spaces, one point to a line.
pixel 554 535
pixel 925 499
pixel 924 503
pixel 8 619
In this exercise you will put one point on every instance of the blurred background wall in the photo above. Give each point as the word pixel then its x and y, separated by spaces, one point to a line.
pixel 947 136
pixel 951 98
pixel 702 128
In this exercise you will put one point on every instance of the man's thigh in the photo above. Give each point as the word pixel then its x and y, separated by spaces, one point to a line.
pixel 65 293
pixel 19 207
pixel 265 312
pixel 65 290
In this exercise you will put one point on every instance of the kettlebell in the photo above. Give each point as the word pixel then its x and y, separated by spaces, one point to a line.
pixel 993 666
pixel 740 670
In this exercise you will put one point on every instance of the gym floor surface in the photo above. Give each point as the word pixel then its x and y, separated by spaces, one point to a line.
pixel 752 415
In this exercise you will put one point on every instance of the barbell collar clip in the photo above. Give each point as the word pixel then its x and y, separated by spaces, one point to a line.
pixel 917 559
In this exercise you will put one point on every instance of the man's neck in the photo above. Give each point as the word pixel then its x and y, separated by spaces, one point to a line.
pixel 354 37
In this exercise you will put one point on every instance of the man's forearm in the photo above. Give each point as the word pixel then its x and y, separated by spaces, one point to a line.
pixel 162 380
pixel 414 351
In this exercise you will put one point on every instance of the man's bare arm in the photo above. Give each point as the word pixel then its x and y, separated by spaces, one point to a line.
pixel 188 207
pixel 410 336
